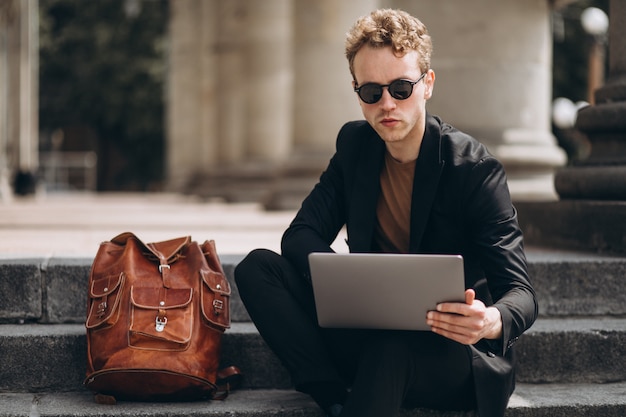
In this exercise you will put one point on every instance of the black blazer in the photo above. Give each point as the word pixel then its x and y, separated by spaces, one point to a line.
pixel 460 205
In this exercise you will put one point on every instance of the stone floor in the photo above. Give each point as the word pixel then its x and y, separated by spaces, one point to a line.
pixel 73 225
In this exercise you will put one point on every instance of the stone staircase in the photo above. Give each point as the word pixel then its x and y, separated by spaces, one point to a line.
pixel 571 363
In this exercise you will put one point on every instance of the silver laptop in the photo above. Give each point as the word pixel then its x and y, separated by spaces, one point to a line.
pixel 383 291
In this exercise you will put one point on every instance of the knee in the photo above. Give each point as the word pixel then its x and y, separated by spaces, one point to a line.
pixel 248 271
pixel 389 349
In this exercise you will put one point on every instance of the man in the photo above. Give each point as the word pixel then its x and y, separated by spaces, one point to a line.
pixel 404 182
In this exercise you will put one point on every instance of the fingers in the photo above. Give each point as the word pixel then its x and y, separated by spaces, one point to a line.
pixel 462 322
pixel 464 309
pixel 463 338
pixel 462 329
pixel 456 322
pixel 466 323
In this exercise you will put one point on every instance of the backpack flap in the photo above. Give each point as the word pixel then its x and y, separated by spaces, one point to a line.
pixel 163 253
pixel 169 250
pixel 166 252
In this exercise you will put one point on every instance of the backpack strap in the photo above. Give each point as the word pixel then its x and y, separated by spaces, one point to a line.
pixel 228 379
pixel 166 252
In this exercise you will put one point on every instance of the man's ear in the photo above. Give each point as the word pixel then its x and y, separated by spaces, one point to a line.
pixel 429 82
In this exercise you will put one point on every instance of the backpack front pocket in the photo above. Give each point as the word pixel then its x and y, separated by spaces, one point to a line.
pixel 214 300
pixel 160 318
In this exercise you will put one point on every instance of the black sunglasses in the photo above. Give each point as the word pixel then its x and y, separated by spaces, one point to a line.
pixel 370 93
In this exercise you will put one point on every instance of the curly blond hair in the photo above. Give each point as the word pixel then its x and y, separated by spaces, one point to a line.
pixel 387 27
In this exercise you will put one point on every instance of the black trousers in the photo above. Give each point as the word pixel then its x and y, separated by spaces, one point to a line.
pixel 384 370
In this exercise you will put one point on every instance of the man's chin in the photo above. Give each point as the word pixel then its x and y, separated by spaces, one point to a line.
pixel 391 137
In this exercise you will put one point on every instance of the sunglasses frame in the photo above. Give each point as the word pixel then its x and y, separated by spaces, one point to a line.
pixel 381 86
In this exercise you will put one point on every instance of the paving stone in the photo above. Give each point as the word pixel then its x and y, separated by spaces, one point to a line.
pixel 20 290
pixel 42 357
pixel 66 290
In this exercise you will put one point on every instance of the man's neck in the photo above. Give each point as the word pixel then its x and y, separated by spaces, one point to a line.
pixel 405 151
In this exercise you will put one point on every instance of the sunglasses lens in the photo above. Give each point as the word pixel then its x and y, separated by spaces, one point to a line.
pixel 371 93
pixel 401 89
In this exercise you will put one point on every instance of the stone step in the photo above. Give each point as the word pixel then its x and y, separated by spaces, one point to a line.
pixel 544 400
pixel 573 350
pixel 42 358
pixel 54 290
pixel 577 283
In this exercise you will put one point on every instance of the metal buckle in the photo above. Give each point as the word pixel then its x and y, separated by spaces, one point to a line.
pixel 217 306
pixel 160 323
pixel 163 266
pixel 102 307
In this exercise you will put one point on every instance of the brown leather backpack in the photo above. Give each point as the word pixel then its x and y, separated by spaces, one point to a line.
pixel 155 319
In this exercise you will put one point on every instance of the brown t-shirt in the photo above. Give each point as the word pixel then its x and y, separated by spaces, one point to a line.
pixel 393 211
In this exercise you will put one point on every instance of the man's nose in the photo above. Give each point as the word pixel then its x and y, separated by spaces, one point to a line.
pixel 386 100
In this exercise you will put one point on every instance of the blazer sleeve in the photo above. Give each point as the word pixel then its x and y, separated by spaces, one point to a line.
pixel 322 214
pixel 498 244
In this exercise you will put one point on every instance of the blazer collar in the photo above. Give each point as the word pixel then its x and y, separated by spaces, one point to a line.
pixel 428 168
pixel 362 216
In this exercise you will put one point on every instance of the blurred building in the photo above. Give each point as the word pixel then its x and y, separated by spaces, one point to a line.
pixel 257 90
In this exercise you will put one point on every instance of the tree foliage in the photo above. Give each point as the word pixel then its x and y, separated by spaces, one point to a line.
pixel 102 67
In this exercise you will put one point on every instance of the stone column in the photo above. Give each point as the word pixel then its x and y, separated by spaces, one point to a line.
pixel 602 176
pixel 269 75
pixel 230 97
pixel 324 99
pixel 322 95
pixel 232 88
pixel 8 13
pixel 191 110
pixel 19 106
pixel 29 86
pixel 492 59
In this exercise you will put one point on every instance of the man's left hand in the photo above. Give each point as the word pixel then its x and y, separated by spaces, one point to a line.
pixel 466 323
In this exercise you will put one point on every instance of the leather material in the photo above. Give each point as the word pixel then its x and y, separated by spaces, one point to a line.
pixel 156 313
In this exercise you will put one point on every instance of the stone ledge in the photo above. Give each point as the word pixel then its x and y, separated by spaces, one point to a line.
pixel 553 400
pixel 583 225
pixel 578 284
pixel 52 357
pixel 573 350
pixel 21 288
pixel 44 358
pixel 54 290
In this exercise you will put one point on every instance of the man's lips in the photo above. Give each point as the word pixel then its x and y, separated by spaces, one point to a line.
pixel 389 122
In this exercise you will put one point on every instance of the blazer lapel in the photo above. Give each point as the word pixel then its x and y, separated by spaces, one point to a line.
pixel 428 169
pixel 365 193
